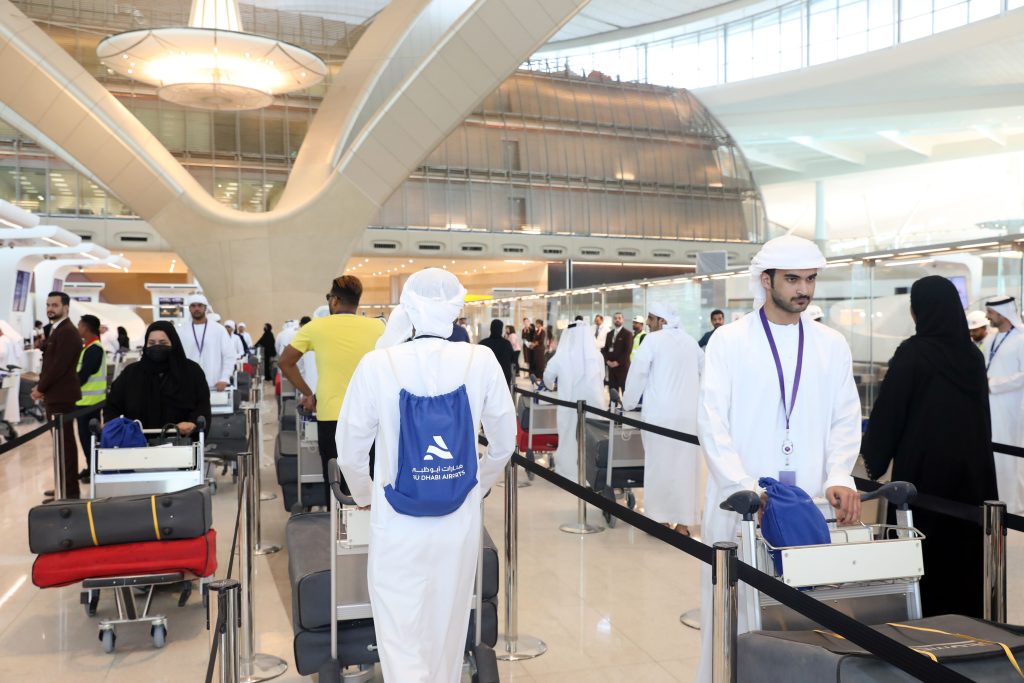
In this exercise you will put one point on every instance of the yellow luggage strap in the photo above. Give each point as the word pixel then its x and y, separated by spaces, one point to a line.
pixel 92 525
pixel 156 525
pixel 930 655
pixel 1006 648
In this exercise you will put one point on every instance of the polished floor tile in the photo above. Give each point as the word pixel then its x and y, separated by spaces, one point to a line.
pixel 607 604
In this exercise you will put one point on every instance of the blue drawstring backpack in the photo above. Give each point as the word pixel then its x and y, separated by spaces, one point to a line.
pixel 122 433
pixel 790 518
pixel 437 462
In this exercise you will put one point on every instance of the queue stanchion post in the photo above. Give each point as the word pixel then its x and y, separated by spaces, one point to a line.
pixel 223 619
pixel 513 646
pixel 60 484
pixel 724 574
pixel 994 520
pixel 253 470
pixel 581 526
pixel 258 423
pixel 254 666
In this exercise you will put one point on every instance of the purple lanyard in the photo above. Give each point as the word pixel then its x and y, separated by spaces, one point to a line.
pixel 787 445
pixel 198 344
pixel 995 347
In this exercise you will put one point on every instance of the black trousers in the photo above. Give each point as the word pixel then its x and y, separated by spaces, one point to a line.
pixel 325 431
pixel 83 434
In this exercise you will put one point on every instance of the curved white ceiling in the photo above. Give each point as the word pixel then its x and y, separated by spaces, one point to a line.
pixel 600 21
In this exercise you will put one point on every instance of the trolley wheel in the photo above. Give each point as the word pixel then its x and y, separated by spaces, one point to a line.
pixel 298 508
pixel 159 634
pixel 330 671
pixel 107 639
pixel 91 600
pixel 7 431
pixel 213 488
pixel 630 500
pixel 533 459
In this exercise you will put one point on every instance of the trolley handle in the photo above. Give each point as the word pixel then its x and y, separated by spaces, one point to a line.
pixel 898 493
pixel 745 503
pixel 334 475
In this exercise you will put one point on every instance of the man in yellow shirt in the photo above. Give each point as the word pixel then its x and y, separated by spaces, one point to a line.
pixel 339 341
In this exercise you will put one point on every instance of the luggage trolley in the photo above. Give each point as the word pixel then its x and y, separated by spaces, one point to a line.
pixel 309 468
pixel 626 454
pixel 350 596
pixel 537 428
pixel 871 572
pixel 8 380
pixel 222 402
pixel 131 471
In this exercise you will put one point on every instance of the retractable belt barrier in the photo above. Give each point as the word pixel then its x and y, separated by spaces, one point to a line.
pixel 874 642
pixel 47 426
pixel 881 646
pixel 1005 449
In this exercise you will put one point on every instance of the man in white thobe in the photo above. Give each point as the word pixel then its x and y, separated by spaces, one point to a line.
pixel 578 369
pixel 1004 357
pixel 285 336
pixel 245 335
pixel 108 338
pixel 742 416
pixel 665 373
pixel 11 350
pixel 207 342
pixel 421 570
pixel 600 331
pixel 236 341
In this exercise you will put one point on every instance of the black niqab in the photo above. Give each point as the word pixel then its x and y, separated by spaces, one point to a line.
pixel 158 393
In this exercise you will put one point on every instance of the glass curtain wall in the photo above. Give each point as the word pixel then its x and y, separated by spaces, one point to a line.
pixel 562 155
pixel 866 299
pixel 749 43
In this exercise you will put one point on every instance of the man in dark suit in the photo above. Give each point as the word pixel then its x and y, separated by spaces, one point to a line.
pixel 617 347
pixel 58 386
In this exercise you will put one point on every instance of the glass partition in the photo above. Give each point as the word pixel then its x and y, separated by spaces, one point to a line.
pixel 866 299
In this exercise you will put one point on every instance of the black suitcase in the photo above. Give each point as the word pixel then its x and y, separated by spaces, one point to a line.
pixel 972 647
pixel 227 434
pixel 68 524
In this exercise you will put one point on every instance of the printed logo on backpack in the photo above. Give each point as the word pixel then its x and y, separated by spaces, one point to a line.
pixel 437 460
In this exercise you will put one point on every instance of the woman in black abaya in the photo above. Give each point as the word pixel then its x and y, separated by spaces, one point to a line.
pixel 931 421
pixel 163 388
pixel 266 342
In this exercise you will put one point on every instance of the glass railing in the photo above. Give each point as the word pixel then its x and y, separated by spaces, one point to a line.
pixel 793 35
pixel 865 297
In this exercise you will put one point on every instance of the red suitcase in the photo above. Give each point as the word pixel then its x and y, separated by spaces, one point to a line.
pixel 196 556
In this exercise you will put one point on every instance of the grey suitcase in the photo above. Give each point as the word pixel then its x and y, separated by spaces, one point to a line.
pixel 814 656
pixel 68 524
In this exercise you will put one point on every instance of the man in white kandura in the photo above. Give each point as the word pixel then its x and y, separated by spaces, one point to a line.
pixel 1004 357
pixel 665 372
pixel 207 343
pixel 578 369
pixel 236 341
pixel 422 568
pixel 778 400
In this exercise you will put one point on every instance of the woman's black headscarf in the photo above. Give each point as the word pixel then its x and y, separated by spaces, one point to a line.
pixel 176 376
pixel 942 337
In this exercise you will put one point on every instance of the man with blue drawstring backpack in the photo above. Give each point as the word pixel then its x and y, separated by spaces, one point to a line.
pixel 423 399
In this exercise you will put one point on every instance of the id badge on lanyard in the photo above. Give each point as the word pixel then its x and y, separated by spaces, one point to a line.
pixel 787 443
